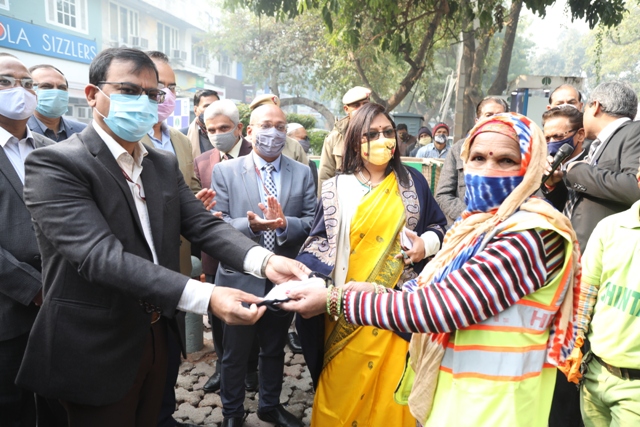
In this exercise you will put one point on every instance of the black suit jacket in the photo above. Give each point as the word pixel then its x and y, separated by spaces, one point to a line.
pixel 610 186
pixel 20 262
pixel 99 279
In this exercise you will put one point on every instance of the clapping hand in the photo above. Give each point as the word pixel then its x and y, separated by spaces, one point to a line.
pixel 273 210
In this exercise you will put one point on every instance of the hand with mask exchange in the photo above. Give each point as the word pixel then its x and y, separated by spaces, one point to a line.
pixel 273 211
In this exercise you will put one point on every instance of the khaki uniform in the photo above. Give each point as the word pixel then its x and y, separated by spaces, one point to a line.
pixel 332 151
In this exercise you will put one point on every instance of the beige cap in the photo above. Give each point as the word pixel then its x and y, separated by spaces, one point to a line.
pixel 356 94
pixel 293 126
pixel 267 98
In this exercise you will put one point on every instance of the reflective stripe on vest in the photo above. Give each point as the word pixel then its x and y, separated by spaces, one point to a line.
pixel 518 318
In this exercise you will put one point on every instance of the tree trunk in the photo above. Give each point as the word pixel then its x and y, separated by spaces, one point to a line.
pixel 417 62
pixel 499 85
pixel 473 91
pixel 299 100
pixel 467 63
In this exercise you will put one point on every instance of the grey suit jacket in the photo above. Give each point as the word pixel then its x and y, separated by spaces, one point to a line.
pixel 20 261
pixel 451 185
pixel 610 186
pixel 100 282
pixel 72 126
pixel 237 191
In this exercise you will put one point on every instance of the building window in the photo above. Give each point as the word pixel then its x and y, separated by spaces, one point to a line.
pixel 198 53
pixel 224 65
pixel 123 25
pixel 67 13
pixel 168 41
pixel 4 4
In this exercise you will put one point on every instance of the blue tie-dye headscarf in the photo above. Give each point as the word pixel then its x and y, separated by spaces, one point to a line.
pixel 486 192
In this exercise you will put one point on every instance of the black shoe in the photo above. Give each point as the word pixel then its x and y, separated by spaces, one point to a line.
pixel 213 383
pixel 280 417
pixel 294 343
pixel 251 382
pixel 233 422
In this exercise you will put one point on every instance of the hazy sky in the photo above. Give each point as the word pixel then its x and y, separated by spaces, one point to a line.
pixel 545 31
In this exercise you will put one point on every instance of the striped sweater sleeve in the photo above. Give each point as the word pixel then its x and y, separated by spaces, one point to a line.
pixel 510 268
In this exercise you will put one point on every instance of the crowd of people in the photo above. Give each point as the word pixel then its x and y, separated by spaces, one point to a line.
pixel 506 298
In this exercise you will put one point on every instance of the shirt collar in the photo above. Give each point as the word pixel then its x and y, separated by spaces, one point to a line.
pixel 611 128
pixel 260 162
pixel 631 217
pixel 43 127
pixel 117 150
pixel 164 130
pixel 5 136
pixel 235 150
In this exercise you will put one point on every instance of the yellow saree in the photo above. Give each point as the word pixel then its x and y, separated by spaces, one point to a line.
pixel 362 364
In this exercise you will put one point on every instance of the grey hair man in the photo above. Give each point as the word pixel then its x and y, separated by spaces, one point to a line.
pixel 603 181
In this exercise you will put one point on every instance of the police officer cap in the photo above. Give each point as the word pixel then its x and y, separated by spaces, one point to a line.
pixel 267 98
pixel 356 94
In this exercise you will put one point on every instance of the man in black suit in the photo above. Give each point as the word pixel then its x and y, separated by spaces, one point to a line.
pixel 53 103
pixel 281 191
pixel 108 216
pixel 20 263
pixel 604 181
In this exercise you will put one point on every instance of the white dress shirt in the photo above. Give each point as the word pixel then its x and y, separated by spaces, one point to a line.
pixel 17 150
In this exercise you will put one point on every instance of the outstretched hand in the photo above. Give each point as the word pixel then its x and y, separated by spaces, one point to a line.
pixel 226 304
pixel 308 302
pixel 207 196
pixel 259 225
pixel 273 210
pixel 282 269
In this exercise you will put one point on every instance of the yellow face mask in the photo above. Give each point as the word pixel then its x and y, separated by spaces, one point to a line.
pixel 378 151
pixel 424 140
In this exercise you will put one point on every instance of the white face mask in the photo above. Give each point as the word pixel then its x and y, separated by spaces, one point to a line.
pixel 17 103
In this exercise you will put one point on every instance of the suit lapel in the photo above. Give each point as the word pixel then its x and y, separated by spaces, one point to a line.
pixel 286 175
pixel 153 198
pixel 6 168
pixel 606 142
pixel 250 180
pixel 100 151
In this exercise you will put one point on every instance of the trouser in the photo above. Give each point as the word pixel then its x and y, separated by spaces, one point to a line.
pixel 271 330
pixel 165 419
pixel 565 406
pixel 218 345
pixel 607 400
pixel 17 405
pixel 141 404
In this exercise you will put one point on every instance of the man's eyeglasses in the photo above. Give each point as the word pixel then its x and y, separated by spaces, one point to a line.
pixel 7 82
pixel 282 127
pixel 559 137
pixel 374 134
pixel 126 88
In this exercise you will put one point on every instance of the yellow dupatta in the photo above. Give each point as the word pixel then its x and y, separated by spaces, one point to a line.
pixel 374 239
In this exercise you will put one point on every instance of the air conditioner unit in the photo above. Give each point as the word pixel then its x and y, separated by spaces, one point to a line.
pixel 135 41
pixel 175 54
pixel 183 55
pixel 144 43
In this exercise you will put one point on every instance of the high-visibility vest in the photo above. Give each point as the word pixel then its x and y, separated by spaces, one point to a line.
pixel 495 373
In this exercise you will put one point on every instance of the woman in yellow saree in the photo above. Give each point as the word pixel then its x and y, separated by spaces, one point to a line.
pixel 377 222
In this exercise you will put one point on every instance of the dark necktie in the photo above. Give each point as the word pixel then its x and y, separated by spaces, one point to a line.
pixel 227 156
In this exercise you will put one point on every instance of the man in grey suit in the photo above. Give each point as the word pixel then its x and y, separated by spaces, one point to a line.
pixel 20 262
pixel 53 103
pixel 604 181
pixel 108 216
pixel 282 190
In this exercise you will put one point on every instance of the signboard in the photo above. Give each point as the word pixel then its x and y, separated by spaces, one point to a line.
pixel 31 38
pixel 180 117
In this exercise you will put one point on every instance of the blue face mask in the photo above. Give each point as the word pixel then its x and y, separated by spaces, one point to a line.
pixel 270 142
pixel 130 116
pixel 52 103
pixel 553 147
pixel 485 193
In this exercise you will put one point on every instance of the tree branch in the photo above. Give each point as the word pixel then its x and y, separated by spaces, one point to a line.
pixel 300 100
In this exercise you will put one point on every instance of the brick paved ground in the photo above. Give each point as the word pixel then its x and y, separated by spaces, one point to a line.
pixel 205 409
